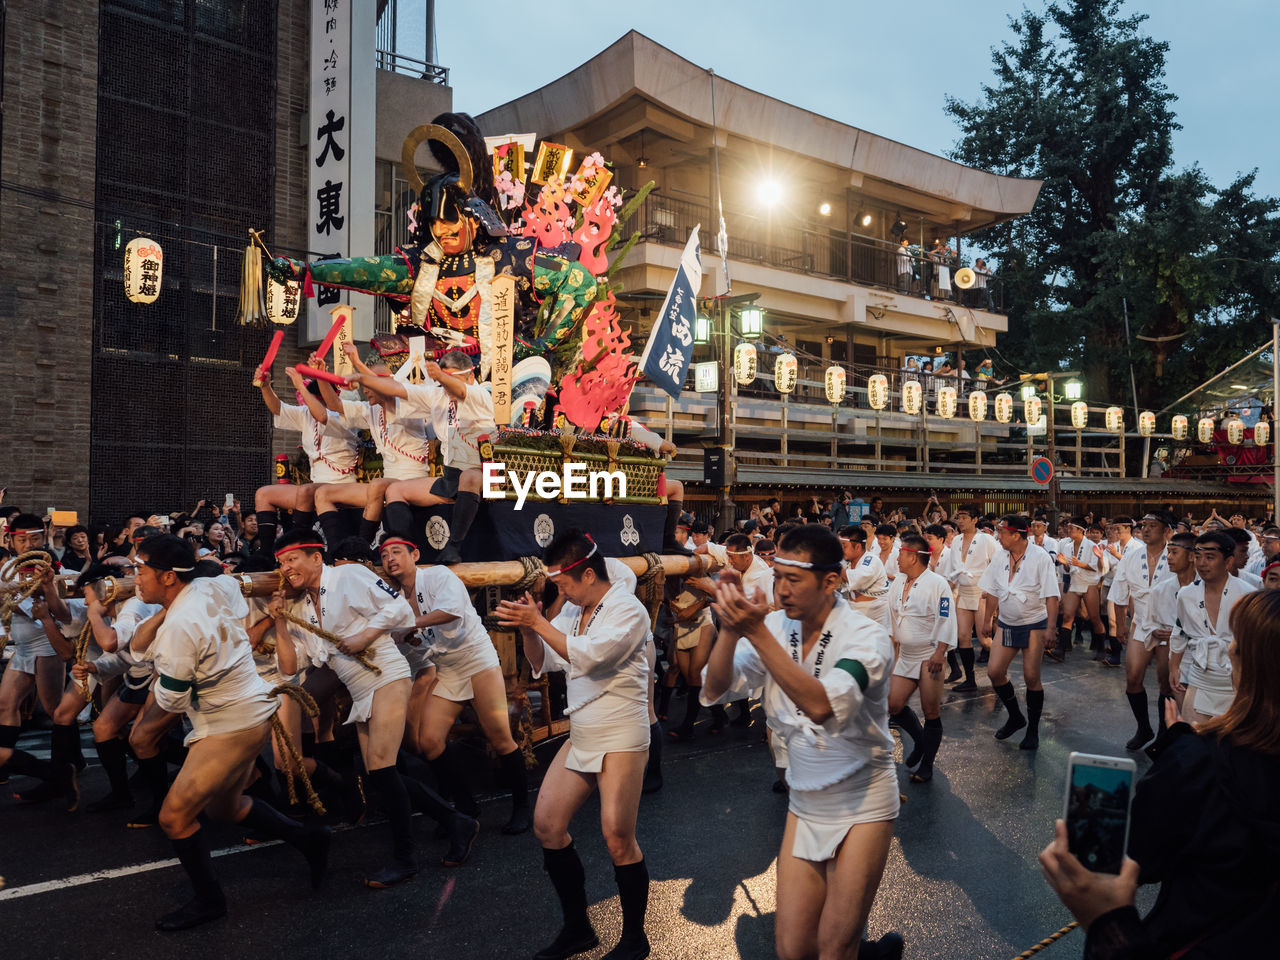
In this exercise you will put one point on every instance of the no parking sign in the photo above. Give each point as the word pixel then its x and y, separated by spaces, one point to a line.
pixel 1041 470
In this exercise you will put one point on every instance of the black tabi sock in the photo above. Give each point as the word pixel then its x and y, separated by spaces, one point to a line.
pixel 425 800
pixel 1009 698
pixel 21 763
pixel 270 822
pixel 909 724
pixel 369 529
pixel 393 797
pixel 952 662
pixel 114 764
pixel 452 780
pixel 515 777
pixel 64 743
pixel 1035 703
pixel 193 853
pixel 674 509
pixel 331 524
pixel 966 662
pixel 691 709
pixel 1064 639
pixel 465 505
pixel 633 894
pixel 397 517
pixel 569 880
pixel 664 699
pixel 156 774
pixel 303 520
pixel 932 741
pixel 1141 710
pixel 268 521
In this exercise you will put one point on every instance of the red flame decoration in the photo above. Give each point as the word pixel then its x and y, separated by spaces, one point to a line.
pixel 587 396
pixel 597 225
pixel 546 219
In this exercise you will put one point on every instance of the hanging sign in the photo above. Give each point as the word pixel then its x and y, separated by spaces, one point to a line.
pixel 143 267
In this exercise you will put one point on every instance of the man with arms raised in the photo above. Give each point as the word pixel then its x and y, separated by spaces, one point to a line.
pixel 1024 583
pixel 825 673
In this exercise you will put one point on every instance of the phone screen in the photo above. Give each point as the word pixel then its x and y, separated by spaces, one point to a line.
pixel 1098 815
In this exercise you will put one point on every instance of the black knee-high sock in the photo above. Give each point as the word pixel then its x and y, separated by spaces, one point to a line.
pixel 452 780
pixel 1064 639
pixel 952 662
pixel 64 743
pixel 633 893
pixel 1008 697
pixel 156 774
pixel 425 800
pixel 567 876
pixel 368 529
pixel 465 505
pixel 909 724
pixel 653 768
pixel 1161 725
pixel 664 699
pixel 691 709
pixel 114 764
pixel 674 509
pixel 1035 704
pixel 193 853
pixel 267 820
pixel 397 517
pixel 515 777
pixel 21 763
pixel 267 524
pixel 303 520
pixel 394 798
pixel 966 661
pixel 1141 710
pixel 331 524
pixel 932 741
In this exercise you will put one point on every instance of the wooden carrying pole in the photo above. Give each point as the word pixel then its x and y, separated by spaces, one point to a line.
pixel 492 574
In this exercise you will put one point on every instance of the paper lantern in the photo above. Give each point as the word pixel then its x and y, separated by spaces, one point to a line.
pixel 143 266
pixel 1031 409
pixel 1146 423
pixel 912 396
pixel 744 363
pixel 1204 429
pixel 835 381
pixel 282 301
pixel 1115 419
pixel 1261 433
pixel 1235 430
pixel 784 372
pixel 1079 415
pixel 1004 407
pixel 946 405
pixel 878 391
pixel 978 405
pixel 1179 427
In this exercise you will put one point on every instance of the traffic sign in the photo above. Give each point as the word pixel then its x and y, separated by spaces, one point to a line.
pixel 1041 470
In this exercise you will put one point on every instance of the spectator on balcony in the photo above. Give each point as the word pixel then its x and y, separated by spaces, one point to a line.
pixel 906 267
pixel 941 256
pixel 986 374
pixel 911 369
pixel 981 291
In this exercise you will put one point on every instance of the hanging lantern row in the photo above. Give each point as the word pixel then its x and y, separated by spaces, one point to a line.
pixel 912 397
pixel 1031 409
pixel 978 405
pixel 1261 433
pixel 784 372
pixel 1115 419
pixel 946 405
pixel 1235 431
pixel 744 363
pixel 835 381
pixel 143 268
pixel 1204 429
pixel 1079 415
pixel 1004 407
pixel 1146 423
pixel 878 391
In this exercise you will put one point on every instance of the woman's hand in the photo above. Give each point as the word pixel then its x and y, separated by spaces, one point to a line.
pixel 1086 894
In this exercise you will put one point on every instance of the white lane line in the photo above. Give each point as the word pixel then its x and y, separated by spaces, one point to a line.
pixel 115 873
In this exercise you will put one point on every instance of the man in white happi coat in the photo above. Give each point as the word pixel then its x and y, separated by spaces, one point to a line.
pixel 866 583
pixel 204 667
pixel 1023 582
pixel 923 633
pixel 1137 573
pixel 1162 618
pixel 825 671
pixel 1199 650
pixel 969 555
pixel 600 639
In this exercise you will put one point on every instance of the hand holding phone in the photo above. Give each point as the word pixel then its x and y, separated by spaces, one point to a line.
pixel 1096 809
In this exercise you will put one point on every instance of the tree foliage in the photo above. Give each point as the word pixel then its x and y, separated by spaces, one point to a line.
pixel 1079 101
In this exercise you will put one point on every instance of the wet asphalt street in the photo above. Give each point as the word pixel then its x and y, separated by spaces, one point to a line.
pixel 961 882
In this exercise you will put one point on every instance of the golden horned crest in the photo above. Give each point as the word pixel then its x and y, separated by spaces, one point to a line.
pixel 433 131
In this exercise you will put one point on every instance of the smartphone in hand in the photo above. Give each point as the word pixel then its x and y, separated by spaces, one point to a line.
pixel 1096 809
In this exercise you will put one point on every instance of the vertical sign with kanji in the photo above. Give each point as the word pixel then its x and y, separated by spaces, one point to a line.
pixel 340 138
pixel 504 328
pixel 342 364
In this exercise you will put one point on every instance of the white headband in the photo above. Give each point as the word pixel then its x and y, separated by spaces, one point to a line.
pixel 592 553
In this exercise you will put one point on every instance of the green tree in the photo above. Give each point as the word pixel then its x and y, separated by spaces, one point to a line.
pixel 1079 101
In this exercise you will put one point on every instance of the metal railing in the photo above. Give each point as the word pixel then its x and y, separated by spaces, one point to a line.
pixel 821 251
pixel 412 67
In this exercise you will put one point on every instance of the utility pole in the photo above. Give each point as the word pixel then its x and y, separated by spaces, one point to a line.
pixel 727 396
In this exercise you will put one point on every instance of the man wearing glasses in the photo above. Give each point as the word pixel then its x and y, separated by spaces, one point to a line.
pixel 1270 551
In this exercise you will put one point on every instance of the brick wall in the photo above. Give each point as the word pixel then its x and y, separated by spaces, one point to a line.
pixel 46 247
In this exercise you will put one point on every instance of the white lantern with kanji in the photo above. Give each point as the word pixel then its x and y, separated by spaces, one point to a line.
pixel 744 363
pixel 1079 415
pixel 1004 407
pixel 784 372
pixel 1146 423
pixel 978 405
pixel 1261 433
pixel 282 301
pixel 1031 409
pixel 912 396
pixel 1204 429
pixel 1179 426
pixel 878 391
pixel 1115 419
pixel 946 405
pixel 143 267
pixel 1235 430
pixel 835 381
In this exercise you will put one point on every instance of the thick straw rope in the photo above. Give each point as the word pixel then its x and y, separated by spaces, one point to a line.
pixel 295 766
pixel 86 632
pixel 13 594
pixel 361 658
pixel 1026 954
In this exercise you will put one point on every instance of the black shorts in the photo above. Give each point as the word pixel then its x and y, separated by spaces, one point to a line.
pixel 1019 637
pixel 133 695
